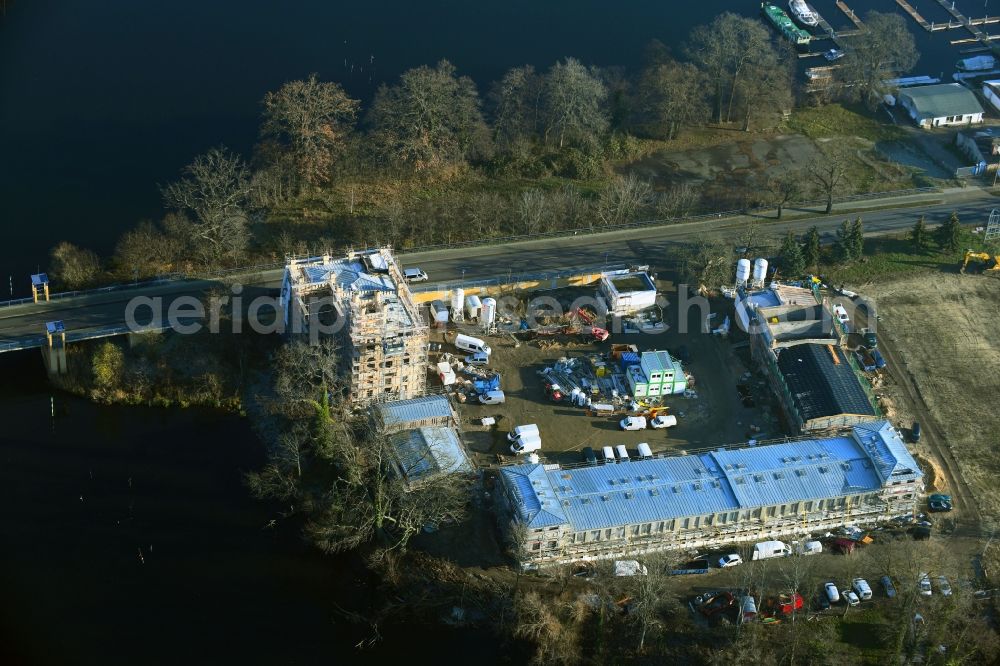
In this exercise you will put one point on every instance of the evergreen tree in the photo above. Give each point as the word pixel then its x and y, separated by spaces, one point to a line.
pixel 919 235
pixel 858 239
pixel 948 234
pixel 791 257
pixel 845 248
pixel 811 252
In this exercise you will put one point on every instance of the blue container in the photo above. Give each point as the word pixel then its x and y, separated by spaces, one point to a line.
pixel 629 358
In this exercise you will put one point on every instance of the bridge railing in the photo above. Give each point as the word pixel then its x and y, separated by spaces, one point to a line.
pixel 495 240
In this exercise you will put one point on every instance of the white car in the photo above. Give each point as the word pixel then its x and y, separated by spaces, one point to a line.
pixel 851 598
pixel 731 560
pixel 663 421
pixel 832 594
pixel 924 581
pixel 943 586
pixel 633 423
pixel 863 589
pixel 414 275
pixel 479 358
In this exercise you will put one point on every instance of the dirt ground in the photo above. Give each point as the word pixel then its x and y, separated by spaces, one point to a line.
pixel 716 417
pixel 943 329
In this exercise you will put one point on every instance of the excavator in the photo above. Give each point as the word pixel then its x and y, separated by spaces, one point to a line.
pixel 991 263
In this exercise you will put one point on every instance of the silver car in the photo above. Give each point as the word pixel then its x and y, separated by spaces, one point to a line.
pixel 943 586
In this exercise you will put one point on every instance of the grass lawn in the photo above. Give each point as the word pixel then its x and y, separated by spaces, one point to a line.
pixel 836 120
pixel 893 256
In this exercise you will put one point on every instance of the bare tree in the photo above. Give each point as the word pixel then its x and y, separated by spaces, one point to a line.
pixel 670 95
pixel 783 188
pixel 533 211
pixel 880 53
pixel 622 200
pixel 515 101
pixel 573 104
pixel 216 190
pixel 679 200
pixel 829 175
pixel 431 118
pixel 313 120
pixel 74 266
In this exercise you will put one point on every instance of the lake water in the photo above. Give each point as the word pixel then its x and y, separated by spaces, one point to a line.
pixel 101 101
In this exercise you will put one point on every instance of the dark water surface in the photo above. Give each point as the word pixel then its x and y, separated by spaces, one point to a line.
pixel 100 101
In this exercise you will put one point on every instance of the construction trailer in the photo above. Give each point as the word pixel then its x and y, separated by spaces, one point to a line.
pixel 363 303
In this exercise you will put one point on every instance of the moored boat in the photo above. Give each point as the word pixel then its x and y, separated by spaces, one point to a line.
pixel 976 64
pixel 803 13
pixel 786 26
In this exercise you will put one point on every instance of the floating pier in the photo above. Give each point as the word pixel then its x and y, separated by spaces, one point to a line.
pixel 850 14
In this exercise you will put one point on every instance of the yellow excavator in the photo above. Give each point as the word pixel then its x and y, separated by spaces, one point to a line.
pixel 990 263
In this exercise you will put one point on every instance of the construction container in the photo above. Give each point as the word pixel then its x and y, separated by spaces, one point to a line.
pixel 439 313
pixel 473 307
pixel 488 312
pixel 629 358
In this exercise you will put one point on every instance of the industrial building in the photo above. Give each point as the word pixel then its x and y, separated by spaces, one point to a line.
pixel 796 340
pixel 363 302
pixel 941 105
pixel 423 438
pixel 711 499
pixel 656 375
pixel 627 291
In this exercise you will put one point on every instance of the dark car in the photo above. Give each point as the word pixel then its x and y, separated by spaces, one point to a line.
pixel 871 341
pixel 915 431
pixel 939 505
pixel 941 497
pixel 890 589
pixel 588 456
pixel 822 603
pixel 920 533
pixel 717 604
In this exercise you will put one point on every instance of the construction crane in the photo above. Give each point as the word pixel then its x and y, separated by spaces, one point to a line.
pixel 991 263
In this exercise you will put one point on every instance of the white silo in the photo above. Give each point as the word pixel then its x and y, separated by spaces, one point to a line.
pixel 457 304
pixel 759 271
pixel 742 271
pixel 488 313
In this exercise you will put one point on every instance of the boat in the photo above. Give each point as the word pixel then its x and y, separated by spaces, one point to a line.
pixel 833 54
pixel 786 26
pixel 803 12
pixel 976 64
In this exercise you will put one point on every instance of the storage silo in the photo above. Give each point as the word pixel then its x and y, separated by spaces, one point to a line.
pixel 488 313
pixel 760 271
pixel 742 271
pixel 457 304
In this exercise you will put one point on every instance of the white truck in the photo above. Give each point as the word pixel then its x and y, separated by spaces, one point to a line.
pixel 766 550
pixel 521 430
pixel 526 443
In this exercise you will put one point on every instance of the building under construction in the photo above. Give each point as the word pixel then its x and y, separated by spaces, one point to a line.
pixel 364 304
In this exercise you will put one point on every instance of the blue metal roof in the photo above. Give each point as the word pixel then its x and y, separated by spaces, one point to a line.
pixel 349 275
pixel 886 449
pixel 645 491
pixel 536 504
pixel 427 451
pixel 802 470
pixel 401 412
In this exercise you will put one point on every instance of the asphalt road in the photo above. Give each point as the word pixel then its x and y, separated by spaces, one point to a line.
pixel 84 315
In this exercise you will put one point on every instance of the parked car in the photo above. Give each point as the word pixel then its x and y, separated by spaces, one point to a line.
pixel 915 431
pixel 414 275
pixel 851 598
pixel 890 589
pixel 633 423
pixel 943 586
pixel 717 604
pixel 924 583
pixel 940 496
pixel 731 560
pixel 663 421
pixel 622 453
pixel 878 358
pixel 492 398
pixel 860 585
pixel 748 606
pixel 588 456
pixel 921 532
pixel 871 340
pixel 479 358
pixel 832 593
pixel 822 602
pixel 938 506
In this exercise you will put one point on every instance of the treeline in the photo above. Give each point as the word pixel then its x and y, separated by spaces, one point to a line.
pixel 432 161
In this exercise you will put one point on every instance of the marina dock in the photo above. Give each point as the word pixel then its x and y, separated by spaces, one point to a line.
pixel 850 14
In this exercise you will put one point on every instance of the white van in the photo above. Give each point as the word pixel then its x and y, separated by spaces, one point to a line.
pixel 609 454
pixel 862 588
pixel 526 443
pixel 492 398
pixel 645 451
pixel 633 423
pixel 521 430
pixel 809 547
pixel 766 550
pixel 471 344
pixel 622 453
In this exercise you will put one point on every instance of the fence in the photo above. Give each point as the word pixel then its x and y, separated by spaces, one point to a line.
pixel 496 240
